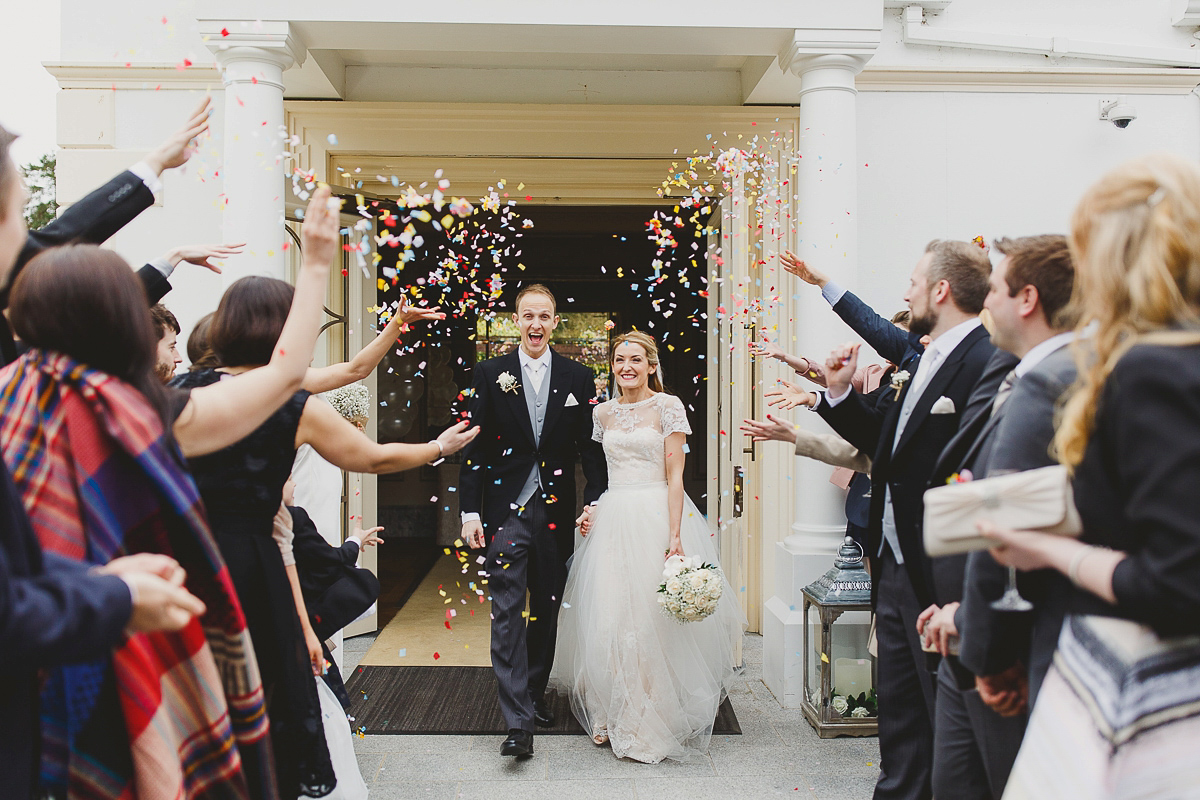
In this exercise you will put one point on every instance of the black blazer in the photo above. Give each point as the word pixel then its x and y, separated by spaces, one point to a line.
pixel 498 461
pixel 318 564
pixel 91 220
pixel 872 429
pixel 992 641
pixel 1136 489
pixel 52 612
pixel 897 346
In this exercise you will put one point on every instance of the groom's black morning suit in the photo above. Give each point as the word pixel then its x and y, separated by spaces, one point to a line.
pixel 901 468
pixel 528 517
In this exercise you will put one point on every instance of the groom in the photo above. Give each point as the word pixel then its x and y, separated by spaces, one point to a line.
pixel 517 497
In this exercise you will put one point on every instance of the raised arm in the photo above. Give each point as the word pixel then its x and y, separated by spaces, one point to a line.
pixel 341 444
pixel 334 376
pixel 227 411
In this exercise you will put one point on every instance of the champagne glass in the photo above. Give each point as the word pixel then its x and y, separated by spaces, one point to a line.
pixel 1011 600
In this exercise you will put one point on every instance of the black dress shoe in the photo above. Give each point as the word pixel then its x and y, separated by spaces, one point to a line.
pixel 519 743
pixel 543 715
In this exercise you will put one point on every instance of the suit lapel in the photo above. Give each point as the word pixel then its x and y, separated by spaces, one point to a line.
pixel 940 380
pixel 560 384
pixel 516 399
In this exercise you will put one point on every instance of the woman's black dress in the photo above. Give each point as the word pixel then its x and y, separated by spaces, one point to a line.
pixel 242 487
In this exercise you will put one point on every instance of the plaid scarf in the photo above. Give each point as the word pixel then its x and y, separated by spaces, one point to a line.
pixel 100 479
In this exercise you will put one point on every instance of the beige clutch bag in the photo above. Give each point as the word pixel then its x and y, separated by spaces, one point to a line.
pixel 1035 500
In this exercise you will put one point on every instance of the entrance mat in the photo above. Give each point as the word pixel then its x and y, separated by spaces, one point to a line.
pixel 454 701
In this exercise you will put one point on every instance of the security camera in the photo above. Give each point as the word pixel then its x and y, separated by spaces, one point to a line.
pixel 1118 112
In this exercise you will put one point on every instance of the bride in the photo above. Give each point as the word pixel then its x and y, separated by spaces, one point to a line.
pixel 635 677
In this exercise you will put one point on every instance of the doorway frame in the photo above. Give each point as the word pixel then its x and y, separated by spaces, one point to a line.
pixel 545 154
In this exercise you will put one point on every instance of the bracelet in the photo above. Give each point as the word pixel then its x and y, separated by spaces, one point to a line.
pixel 1077 562
pixel 441 451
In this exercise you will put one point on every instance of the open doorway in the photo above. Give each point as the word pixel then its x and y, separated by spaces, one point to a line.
pixel 600 261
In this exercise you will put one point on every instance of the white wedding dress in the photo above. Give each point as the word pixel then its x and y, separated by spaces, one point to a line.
pixel 650 684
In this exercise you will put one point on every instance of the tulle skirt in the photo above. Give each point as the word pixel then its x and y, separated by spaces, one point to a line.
pixel 651 685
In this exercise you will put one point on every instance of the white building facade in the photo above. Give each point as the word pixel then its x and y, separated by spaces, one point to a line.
pixel 901 122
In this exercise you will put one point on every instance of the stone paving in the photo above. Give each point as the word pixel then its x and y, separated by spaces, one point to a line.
pixel 777 755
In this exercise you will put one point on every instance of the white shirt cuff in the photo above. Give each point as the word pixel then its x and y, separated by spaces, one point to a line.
pixel 833 401
pixel 152 181
pixel 469 516
pixel 163 265
pixel 832 292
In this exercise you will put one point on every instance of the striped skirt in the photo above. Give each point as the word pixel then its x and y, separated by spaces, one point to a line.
pixel 1118 717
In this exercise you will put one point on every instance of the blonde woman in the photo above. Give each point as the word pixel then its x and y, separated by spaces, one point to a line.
pixel 1119 713
pixel 637 679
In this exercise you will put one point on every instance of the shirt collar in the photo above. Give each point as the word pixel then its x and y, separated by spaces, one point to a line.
pixel 1038 352
pixel 528 362
pixel 952 338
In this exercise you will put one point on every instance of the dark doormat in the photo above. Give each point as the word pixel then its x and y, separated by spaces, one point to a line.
pixel 454 701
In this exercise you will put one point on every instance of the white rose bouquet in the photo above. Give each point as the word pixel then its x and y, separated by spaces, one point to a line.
pixel 690 589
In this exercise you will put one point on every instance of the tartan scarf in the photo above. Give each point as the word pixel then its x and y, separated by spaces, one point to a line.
pixel 99 479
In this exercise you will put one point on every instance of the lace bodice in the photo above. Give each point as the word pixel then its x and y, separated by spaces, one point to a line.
pixel 634 436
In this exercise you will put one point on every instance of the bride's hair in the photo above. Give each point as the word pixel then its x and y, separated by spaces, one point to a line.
pixel 648 344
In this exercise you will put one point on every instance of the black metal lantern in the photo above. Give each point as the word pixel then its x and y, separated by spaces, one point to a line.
pixel 839 673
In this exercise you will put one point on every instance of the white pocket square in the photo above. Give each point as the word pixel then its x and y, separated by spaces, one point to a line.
pixel 571 401
pixel 944 405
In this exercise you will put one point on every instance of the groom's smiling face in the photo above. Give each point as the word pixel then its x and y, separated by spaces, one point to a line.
pixel 536 319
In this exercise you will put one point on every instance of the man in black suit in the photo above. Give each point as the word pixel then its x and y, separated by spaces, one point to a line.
pixel 517 497
pixel 95 218
pixel 55 611
pixel 974 746
pixel 947 290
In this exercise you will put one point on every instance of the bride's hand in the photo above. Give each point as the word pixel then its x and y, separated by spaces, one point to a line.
pixel 585 521
pixel 676 549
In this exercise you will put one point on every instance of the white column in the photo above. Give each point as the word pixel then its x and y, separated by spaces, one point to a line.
pixel 252 65
pixel 827 209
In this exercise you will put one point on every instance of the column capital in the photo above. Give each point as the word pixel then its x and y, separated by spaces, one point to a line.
pixel 272 42
pixel 828 59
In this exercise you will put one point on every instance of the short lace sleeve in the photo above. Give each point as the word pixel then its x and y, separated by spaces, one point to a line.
pixel 597 428
pixel 673 418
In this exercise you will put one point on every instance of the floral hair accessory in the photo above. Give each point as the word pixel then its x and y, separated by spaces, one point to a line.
pixel 352 401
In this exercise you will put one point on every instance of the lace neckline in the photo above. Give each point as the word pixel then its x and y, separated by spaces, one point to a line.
pixel 617 402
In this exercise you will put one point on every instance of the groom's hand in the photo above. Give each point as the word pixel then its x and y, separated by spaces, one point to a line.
pixel 472 534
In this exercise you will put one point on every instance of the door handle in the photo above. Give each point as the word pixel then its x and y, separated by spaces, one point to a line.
pixel 739 484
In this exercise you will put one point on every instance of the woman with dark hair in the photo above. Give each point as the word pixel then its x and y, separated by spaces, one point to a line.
pixel 242 487
pixel 198 351
pixel 55 610
pixel 85 434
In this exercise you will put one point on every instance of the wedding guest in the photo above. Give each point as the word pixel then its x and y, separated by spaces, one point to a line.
pixel 54 610
pixel 96 217
pixel 906 436
pixel 199 353
pixel 242 487
pixel 1122 692
pixel 166 329
pixel 974 745
pixel 851 467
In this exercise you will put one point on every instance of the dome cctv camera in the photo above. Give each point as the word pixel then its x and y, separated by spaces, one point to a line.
pixel 1118 112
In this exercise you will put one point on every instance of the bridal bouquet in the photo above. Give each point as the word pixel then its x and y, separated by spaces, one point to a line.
pixel 690 588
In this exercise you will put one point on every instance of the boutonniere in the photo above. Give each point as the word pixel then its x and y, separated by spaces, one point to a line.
pixel 507 382
pixel 898 381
